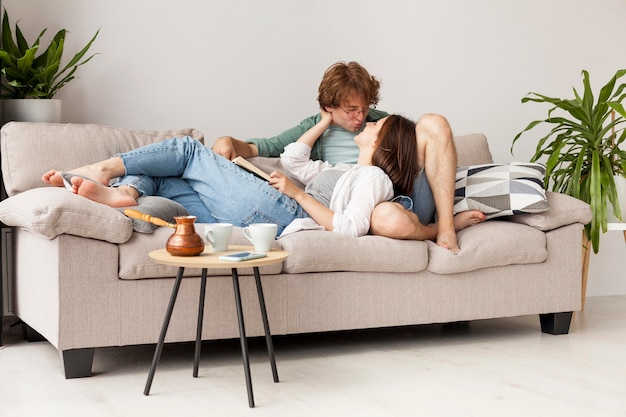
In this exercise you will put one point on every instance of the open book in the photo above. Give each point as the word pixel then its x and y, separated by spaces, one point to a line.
pixel 245 164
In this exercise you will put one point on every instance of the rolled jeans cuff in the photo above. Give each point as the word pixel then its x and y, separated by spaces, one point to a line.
pixel 142 184
pixel 404 201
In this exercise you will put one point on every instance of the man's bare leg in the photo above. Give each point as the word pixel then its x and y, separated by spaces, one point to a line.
pixel 101 172
pixel 465 219
pixel 437 155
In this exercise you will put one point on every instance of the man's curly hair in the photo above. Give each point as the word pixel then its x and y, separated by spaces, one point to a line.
pixel 343 80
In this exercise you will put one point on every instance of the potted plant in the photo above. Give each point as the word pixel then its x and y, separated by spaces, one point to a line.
pixel 582 150
pixel 28 73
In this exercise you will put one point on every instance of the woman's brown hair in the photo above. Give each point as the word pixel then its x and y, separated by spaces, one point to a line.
pixel 396 153
pixel 342 80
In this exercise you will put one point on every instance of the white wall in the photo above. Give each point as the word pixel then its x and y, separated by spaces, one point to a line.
pixel 250 68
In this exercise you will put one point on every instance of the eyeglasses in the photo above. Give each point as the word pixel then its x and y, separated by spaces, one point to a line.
pixel 352 113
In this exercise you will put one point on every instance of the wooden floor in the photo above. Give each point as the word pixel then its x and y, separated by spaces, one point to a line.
pixel 503 368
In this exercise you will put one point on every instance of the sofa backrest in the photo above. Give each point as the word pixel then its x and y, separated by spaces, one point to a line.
pixel 472 149
pixel 28 150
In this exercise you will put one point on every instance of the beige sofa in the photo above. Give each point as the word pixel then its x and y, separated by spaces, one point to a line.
pixel 83 278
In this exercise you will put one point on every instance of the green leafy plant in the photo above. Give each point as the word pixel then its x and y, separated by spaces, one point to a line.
pixel 582 150
pixel 28 75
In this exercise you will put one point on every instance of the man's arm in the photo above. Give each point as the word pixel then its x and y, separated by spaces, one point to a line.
pixel 230 148
pixel 274 146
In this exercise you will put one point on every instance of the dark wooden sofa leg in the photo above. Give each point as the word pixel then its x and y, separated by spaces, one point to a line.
pixel 77 362
pixel 30 334
pixel 555 323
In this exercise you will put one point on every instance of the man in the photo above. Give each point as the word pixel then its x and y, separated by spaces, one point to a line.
pixel 349 93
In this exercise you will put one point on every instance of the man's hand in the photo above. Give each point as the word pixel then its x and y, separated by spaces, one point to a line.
pixel 224 146
pixel 230 148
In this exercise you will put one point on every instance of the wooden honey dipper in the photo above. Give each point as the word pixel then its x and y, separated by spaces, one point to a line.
pixel 134 214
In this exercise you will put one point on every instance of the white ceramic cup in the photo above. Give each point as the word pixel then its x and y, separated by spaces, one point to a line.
pixel 261 235
pixel 218 235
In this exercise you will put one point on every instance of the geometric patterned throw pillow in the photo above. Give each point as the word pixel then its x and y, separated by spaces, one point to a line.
pixel 501 189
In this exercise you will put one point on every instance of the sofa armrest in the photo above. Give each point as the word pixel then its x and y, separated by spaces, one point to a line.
pixel 564 210
pixel 51 211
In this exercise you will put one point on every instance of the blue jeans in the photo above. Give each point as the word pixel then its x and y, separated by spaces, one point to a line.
pixel 173 188
pixel 181 167
pixel 421 201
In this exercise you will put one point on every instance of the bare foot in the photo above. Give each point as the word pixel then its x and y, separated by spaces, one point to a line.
pixel 113 197
pixel 53 178
pixel 447 240
pixel 93 172
pixel 463 220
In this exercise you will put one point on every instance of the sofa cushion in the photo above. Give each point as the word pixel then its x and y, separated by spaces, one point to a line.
pixel 472 149
pixel 488 244
pixel 323 251
pixel 51 211
pixel 162 208
pixel 563 210
pixel 136 264
pixel 500 189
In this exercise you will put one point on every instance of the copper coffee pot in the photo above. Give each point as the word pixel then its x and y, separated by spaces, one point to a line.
pixel 184 241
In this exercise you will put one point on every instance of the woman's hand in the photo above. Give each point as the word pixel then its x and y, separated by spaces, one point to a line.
pixel 282 183
pixel 327 117
pixel 320 213
pixel 313 134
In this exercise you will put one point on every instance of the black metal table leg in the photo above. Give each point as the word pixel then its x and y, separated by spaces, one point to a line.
pixel 198 343
pixel 166 323
pixel 242 337
pixel 196 356
pixel 266 324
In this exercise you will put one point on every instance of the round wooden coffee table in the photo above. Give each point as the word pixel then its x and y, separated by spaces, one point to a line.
pixel 210 260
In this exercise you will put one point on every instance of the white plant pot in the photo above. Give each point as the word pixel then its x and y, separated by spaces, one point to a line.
pixel 620 184
pixel 31 110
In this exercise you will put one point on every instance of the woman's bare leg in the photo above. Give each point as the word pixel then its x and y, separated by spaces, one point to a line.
pixel 392 220
pixel 123 196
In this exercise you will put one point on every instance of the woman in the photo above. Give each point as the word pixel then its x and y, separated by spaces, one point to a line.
pixel 340 198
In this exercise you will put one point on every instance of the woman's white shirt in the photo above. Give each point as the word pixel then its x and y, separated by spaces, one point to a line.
pixel 359 189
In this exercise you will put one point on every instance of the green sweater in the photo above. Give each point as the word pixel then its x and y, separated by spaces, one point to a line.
pixel 273 147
